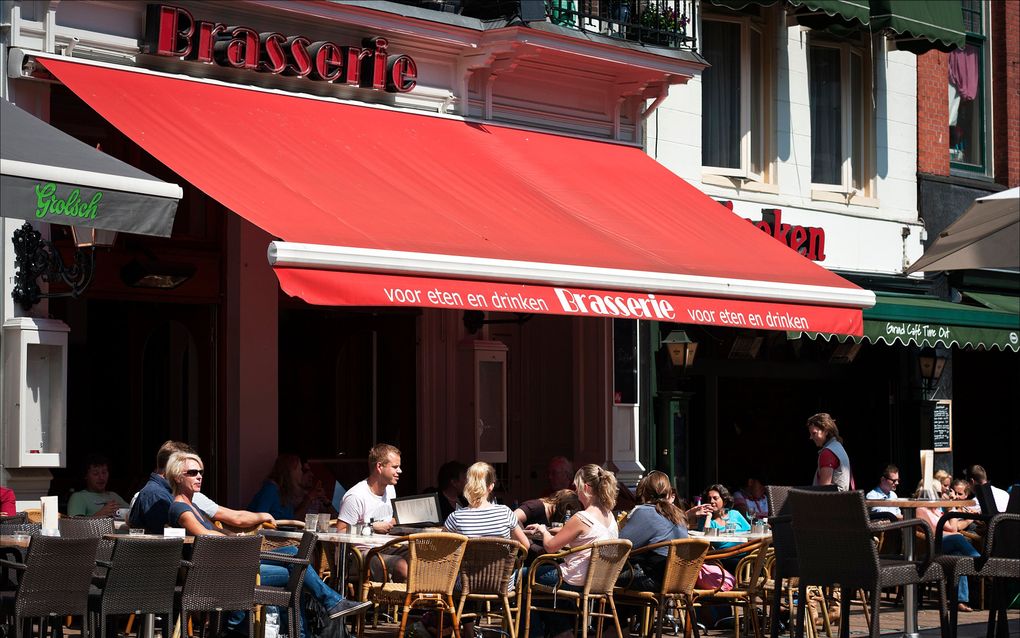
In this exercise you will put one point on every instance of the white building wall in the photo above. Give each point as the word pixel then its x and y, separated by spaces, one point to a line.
pixel 881 235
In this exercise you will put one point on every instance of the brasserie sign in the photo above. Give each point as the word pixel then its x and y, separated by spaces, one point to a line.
pixel 174 32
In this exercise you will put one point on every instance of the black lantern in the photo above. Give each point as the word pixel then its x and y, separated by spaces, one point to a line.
pixel 35 257
pixel 931 363
pixel 681 349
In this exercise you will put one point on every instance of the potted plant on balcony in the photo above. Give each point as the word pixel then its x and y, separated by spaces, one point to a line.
pixel 662 25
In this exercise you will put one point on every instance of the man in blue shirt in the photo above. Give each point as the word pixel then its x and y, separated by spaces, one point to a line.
pixel 887 490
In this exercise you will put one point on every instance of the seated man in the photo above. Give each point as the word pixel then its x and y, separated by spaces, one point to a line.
pixel 978 476
pixel 752 501
pixel 886 490
pixel 94 500
pixel 370 501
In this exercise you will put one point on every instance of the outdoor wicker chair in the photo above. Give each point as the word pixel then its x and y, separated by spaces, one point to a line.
pixel 684 558
pixel 14 519
pixel 8 529
pixel 750 584
pixel 54 581
pixel 140 579
pixel 221 576
pixel 289 596
pixel 608 559
pixel 835 545
pixel 785 566
pixel 89 527
pixel 433 564
pixel 999 560
pixel 486 574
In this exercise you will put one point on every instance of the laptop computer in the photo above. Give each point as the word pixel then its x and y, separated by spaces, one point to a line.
pixel 338 495
pixel 417 511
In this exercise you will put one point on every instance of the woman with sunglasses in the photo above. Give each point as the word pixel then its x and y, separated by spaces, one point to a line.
pixel 184 472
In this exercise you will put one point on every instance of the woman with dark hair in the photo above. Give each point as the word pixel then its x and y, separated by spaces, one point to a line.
pixel 722 515
pixel 833 461
pixel 281 494
pixel 656 519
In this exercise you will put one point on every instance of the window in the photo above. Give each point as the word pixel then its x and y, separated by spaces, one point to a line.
pixel 967 117
pixel 734 111
pixel 837 85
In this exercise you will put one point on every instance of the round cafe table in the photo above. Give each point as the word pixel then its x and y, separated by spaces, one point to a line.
pixel 908 507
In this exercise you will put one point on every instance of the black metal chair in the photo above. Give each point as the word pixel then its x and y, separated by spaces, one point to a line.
pixel 835 545
pixel 54 581
pixel 140 579
pixel 289 596
pixel 999 560
pixel 221 576
pixel 785 566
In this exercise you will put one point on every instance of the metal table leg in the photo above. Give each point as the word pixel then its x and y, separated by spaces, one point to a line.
pixel 909 591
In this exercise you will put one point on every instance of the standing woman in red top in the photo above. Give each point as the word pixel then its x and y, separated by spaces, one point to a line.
pixel 833 461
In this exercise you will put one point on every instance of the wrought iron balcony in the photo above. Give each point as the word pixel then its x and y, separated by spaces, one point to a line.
pixel 664 23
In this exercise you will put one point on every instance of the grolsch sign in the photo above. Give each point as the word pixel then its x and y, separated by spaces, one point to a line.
pixel 174 32
pixel 809 241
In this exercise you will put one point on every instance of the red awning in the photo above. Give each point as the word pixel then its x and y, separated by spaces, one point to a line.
pixel 384 208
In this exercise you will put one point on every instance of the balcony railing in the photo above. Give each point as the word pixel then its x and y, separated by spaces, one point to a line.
pixel 665 23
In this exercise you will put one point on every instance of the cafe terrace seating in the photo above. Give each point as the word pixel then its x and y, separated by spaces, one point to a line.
pixel 486 574
pixel 835 545
pixel 607 561
pixel 684 558
pixel 999 559
pixel 53 581
pixel 221 575
pixel 433 565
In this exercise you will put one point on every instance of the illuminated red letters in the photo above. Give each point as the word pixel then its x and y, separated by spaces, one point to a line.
pixel 174 32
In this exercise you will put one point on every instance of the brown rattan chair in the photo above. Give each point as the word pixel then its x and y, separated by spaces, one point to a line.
pixel 836 545
pixel 54 581
pixel 684 558
pixel 140 579
pixel 750 584
pixel 999 560
pixel 607 561
pixel 433 565
pixel 486 574
pixel 221 576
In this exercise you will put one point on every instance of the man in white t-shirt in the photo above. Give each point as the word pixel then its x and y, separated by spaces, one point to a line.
pixel 371 501
pixel 978 476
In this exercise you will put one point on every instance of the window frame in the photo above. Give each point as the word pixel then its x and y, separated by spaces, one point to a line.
pixel 764 111
pixel 865 137
pixel 986 139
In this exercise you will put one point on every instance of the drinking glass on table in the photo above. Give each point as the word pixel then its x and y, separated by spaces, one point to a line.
pixel 311 522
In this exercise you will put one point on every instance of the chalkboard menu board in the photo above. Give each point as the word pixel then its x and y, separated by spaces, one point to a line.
pixel 942 426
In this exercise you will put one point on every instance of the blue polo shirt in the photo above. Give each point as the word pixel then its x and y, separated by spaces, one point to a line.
pixel 151 508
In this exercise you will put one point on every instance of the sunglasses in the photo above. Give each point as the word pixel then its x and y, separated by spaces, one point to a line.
pixel 891 480
pixel 193 473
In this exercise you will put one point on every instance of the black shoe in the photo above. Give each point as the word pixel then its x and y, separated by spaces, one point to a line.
pixel 345 607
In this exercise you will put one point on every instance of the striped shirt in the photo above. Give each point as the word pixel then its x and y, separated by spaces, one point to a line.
pixel 494 520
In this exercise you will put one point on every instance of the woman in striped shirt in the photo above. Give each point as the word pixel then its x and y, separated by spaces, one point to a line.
pixel 482 517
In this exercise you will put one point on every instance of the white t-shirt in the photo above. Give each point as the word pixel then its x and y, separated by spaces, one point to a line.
pixel 361 504
pixel 1001 497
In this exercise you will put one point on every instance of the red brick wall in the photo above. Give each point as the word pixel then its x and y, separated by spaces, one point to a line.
pixel 932 113
pixel 1005 19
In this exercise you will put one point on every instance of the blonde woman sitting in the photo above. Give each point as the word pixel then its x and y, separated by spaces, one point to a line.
pixel 482 517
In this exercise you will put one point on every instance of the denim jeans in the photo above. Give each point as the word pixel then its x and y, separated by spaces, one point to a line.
pixel 545 622
pixel 958 545
pixel 277 575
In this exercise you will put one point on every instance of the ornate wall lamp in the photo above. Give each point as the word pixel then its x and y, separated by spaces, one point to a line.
pixel 35 258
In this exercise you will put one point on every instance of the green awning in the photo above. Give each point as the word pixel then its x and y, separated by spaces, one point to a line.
pixel 1002 303
pixel 928 322
pixel 816 14
pixel 921 26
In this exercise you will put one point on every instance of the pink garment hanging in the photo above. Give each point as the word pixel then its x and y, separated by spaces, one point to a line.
pixel 963 72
